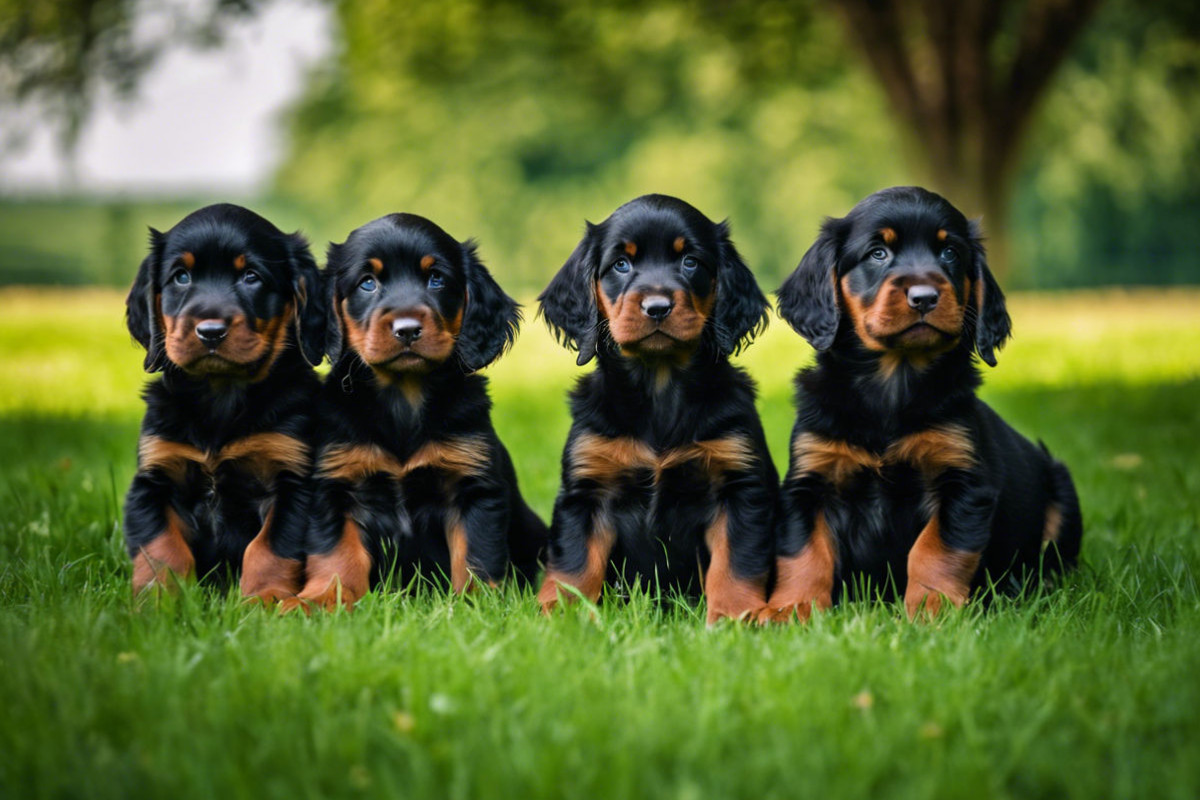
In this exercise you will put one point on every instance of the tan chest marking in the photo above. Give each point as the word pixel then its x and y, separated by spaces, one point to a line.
pixel 932 452
pixel 263 455
pixel 458 457
pixel 606 459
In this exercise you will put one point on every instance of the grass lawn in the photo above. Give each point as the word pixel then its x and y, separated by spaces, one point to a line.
pixel 1091 691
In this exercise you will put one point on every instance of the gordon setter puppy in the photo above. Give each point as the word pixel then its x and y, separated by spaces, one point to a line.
pixel 665 476
pixel 410 475
pixel 900 479
pixel 229 309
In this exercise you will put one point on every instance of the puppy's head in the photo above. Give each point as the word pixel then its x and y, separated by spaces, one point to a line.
pixel 904 273
pixel 224 293
pixel 406 297
pixel 652 281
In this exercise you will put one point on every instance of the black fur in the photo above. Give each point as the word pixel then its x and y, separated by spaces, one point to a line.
pixel 211 404
pixel 869 395
pixel 416 399
pixel 662 399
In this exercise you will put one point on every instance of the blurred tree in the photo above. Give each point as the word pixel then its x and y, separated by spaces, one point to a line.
pixel 512 121
pixel 965 78
pixel 56 55
pixel 496 115
pixel 1110 189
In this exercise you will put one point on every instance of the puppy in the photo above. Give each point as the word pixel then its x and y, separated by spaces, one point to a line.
pixel 410 475
pixel 666 476
pixel 900 479
pixel 229 309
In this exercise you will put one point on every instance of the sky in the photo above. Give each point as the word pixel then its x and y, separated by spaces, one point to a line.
pixel 201 121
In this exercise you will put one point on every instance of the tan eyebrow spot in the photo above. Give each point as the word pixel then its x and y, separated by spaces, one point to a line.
pixel 376 265
pixel 631 249
pixel 679 244
pixel 240 262
pixel 188 259
pixel 889 235
pixel 942 235
pixel 426 262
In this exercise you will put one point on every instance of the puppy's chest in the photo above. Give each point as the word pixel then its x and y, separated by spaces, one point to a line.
pixel 623 465
pixel 445 462
pixel 251 462
pixel 918 458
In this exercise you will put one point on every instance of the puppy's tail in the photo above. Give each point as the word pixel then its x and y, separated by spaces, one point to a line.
pixel 1063 533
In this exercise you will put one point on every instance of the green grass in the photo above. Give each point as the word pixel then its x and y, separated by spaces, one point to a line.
pixel 1091 691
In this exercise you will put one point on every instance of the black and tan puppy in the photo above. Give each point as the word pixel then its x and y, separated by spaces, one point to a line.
pixel 899 475
pixel 229 308
pixel 411 477
pixel 665 476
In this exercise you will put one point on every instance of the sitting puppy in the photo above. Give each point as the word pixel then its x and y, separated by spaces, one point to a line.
pixel 410 474
pixel 666 475
pixel 898 473
pixel 229 308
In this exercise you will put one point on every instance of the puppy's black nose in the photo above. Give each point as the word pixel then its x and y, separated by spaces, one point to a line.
pixel 406 329
pixel 211 331
pixel 657 306
pixel 922 298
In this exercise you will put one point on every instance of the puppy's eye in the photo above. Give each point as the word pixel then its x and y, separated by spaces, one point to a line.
pixel 367 285
pixel 690 264
pixel 622 265
pixel 182 278
pixel 436 281
pixel 948 255
pixel 880 254
pixel 251 278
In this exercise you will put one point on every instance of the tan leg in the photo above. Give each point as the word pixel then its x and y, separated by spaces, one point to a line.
pixel 725 593
pixel 590 581
pixel 804 581
pixel 936 571
pixel 165 560
pixel 267 577
pixel 341 575
pixel 456 538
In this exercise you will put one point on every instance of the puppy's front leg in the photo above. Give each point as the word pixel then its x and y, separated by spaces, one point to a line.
pixel 156 535
pixel 338 564
pixel 807 554
pixel 740 548
pixel 272 565
pixel 477 531
pixel 581 541
pixel 945 557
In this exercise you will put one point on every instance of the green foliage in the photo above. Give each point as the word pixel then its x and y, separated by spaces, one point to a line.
pixel 513 123
pixel 1085 692
pixel 1111 193
pixel 57 56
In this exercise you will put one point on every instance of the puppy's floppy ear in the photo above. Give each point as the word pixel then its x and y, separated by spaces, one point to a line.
pixel 334 324
pixel 310 300
pixel 569 303
pixel 741 311
pixel 808 298
pixel 993 326
pixel 141 305
pixel 491 318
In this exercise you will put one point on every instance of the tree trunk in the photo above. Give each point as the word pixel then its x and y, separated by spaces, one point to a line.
pixel 966 103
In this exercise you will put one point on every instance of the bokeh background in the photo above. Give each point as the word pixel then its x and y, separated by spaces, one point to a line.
pixel 1070 126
